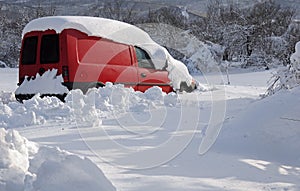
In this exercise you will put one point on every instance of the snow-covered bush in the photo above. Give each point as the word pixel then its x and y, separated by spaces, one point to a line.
pixel 295 58
pixel 287 77
pixel 198 56
pixel 2 64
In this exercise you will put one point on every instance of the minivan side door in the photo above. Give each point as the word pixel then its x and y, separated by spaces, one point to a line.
pixel 148 76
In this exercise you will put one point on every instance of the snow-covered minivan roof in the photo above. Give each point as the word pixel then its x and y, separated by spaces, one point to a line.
pixel 92 26
pixel 119 32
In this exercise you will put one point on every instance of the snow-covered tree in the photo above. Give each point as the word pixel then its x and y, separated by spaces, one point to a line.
pixel 295 60
pixel 286 77
pixel 253 35
pixel 12 21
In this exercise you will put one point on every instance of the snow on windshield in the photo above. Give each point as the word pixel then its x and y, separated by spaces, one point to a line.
pixel 119 32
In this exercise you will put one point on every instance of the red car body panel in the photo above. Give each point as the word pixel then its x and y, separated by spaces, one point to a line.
pixel 91 60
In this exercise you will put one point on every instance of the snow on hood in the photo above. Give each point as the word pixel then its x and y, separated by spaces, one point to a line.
pixel 119 32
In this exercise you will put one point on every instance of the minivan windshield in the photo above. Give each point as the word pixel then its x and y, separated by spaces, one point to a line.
pixel 144 60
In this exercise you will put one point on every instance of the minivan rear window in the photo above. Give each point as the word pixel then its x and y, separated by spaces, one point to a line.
pixel 29 50
pixel 49 49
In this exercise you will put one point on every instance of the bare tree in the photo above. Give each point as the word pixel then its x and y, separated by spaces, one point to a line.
pixel 119 10
pixel 42 11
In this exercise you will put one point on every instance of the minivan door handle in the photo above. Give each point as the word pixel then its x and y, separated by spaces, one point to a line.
pixel 143 75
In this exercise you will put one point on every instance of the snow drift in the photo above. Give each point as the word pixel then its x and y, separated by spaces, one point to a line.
pixel 119 32
pixel 89 109
pixel 26 166
pixel 48 83
pixel 268 129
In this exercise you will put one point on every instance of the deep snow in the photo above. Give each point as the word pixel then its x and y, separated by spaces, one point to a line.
pixel 150 141
pixel 25 166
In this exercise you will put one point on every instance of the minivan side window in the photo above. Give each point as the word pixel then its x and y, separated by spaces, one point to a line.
pixel 102 51
pixel 29 50
pixel 49 49
pixel 144 60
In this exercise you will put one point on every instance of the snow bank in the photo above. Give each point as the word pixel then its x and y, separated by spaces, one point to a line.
pixel 52 169
pixel 115 100
pixel 14 159
pixel 6 97
pixel 26 166
pixel 268 129
pixel 118 32
pixel 35 111
pixel 89 109
pixel 48 83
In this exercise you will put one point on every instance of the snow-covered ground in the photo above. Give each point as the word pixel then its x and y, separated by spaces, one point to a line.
pixel 151 141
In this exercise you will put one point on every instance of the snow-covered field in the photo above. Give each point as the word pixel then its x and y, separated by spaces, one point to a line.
pixel 153 141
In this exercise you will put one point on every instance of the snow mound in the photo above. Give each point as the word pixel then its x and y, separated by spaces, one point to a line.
pixel 35 111
pixel 26 166
pixel 15 150
pixel 14 159
pixel 52 169
pixel 48 83
pixel 268 129
pixel 115 100
pixel 88 109
pixel 119 32
pixel 6 97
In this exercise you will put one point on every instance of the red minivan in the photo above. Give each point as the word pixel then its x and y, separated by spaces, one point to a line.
pixel 87 61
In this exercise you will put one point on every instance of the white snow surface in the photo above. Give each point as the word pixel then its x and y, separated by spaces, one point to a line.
pixel 48 83
pixel 119 32
pixel 121 131
pixel 26 166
